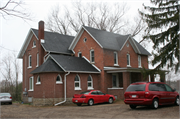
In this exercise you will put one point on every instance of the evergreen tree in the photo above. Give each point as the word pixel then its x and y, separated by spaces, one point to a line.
pixel 163 29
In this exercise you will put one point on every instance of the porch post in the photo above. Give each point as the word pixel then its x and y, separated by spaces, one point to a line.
pixel 126 80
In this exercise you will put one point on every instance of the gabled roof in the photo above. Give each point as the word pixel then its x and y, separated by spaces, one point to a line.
pixel 109 40
pixel 54 42
pixel 46 67
pixel 59 63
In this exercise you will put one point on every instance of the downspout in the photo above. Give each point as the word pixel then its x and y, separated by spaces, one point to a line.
pixel 64 90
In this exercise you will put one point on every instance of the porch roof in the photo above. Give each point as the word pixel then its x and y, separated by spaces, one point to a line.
pixel 125 69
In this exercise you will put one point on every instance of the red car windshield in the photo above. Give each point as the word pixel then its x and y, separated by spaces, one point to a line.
pixel 137 87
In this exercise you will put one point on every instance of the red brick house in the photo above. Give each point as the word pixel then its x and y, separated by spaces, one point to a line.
pixel 57 66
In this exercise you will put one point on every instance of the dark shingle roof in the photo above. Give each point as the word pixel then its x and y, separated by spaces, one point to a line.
pixel 48 66
pixel 108 40
pixel 112 41
pixel 73 64
pixel 55 42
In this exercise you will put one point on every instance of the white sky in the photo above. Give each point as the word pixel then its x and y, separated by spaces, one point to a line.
pixel 13 31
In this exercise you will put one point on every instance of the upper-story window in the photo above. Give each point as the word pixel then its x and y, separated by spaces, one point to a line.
pixel 37 58
pixel 30 61
pixel 139 61
pixel 115 58
pixel 90 83
pixel 34 43
pixel 58 80
pixel 38 80
pixel 79 54
pixel 92 56
pixel 77 83
pixel 128 60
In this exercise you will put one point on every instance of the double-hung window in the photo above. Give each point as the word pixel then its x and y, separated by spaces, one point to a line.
pixel 128 60
pixel 77 83
pixel 90 83
pixel 139 61
pixel 30 61
pixel 115 58
pixel 92 56
pixel 58 80
pixel 37 58
pixel 31 83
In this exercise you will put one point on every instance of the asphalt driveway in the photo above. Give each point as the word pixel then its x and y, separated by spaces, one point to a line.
pixel 109 111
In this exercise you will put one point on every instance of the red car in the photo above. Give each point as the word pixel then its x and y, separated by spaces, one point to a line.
pixel 150 93
pixel 92 97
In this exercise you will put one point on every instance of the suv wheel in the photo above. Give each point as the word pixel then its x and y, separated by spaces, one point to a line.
pixel 177 101
pixel 155 103
pixel 132 106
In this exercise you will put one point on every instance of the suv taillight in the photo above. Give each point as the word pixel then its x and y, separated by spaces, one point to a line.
pixel 146 95
pixel 10 97
pixel 83 96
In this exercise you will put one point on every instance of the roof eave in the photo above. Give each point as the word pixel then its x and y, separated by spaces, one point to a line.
pixel 25 44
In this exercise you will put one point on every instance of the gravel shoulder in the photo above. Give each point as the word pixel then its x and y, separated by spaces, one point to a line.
pixel 115 110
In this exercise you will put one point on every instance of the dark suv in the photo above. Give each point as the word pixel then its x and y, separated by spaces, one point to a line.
pixel 150 93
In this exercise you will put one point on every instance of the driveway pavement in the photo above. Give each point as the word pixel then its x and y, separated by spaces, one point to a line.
pixel 109 111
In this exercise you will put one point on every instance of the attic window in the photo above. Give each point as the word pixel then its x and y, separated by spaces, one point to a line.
pixel 34 43
pixel 85 39
pixel 127 44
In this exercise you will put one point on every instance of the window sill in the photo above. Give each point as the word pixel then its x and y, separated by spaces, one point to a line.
pixel 90 88
pixel 139 67
pixel 37 66
pixel 77 89
pixel 128 65
pixel 59 82
pixel 30 90
pixel 38 83
pixel 92 62
pixel 29 67
pixel 115 88
pixel 116 65
pixel 33 46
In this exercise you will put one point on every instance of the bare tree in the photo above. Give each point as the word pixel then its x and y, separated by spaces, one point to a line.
pixel 104 16
pixel 14 8
pixel 10 74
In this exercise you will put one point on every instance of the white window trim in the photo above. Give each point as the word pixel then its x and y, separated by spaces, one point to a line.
pixel 59 82
pixel 79 54
pixel 29 61
pixel 33 44
pixel 37 59
pixel 117 81
pixel 85 39
pixel 91 56
pixel 38 82
pixel 116 59
pixel 90 88
pixel 139 60
pixel 32 83
pixel 129 60
pixel 77 88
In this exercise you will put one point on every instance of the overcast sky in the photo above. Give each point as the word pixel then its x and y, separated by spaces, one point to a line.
pixel 13 31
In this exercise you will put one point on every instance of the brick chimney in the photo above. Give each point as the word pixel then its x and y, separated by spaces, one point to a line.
pixel 41 30
pixel 41 37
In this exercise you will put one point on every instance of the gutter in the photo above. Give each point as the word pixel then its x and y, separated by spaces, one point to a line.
pixel 64 90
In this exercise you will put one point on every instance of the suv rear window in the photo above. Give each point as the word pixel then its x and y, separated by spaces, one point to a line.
pixel 137 87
